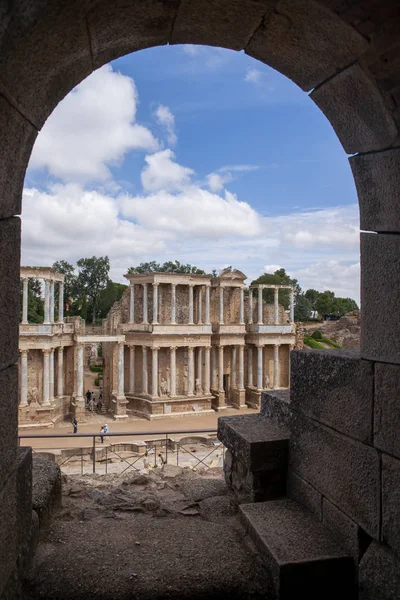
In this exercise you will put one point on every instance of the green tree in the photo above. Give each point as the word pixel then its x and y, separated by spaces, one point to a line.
pixel 312 296
pixel 167 267
pixel 303 308
pixel 92 279
pixel 325 303
pixel 62 266
pixel 280 277
pixel 111 293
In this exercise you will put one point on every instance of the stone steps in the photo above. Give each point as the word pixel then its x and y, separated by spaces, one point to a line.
pixel 304 559
pixel 256 459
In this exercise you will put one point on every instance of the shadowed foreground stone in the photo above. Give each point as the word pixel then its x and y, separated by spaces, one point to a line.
pixel 379 574
pixel 303 557
pixel 46 489
pixel 276 406
pixel 256 458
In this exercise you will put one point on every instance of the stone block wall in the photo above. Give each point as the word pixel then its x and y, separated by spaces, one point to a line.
pixel 344 457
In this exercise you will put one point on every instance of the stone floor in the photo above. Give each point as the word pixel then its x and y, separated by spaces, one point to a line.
pixel 174 534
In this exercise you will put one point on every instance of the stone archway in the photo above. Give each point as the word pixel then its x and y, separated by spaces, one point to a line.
pixel 345 54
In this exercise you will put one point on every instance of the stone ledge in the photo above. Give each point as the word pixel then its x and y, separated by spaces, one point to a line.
pixel 46 489
pixel 303 557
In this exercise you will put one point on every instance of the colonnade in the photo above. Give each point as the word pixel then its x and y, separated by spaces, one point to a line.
pixel 49 297
pixel 155 316
pixel 260 317
pixel 221 305
pixel 260 367
pixel 48 390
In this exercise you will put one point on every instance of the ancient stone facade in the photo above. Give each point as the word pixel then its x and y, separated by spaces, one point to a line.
pixel 195 343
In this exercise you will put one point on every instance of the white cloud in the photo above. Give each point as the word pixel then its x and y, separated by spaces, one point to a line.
pixel 253 76
pixel 238 168
pixel 91 129
pixel 165 118
pixel 164 173
pixel 271 268
pixel 341 277
pixel 195 212
pixel 216 181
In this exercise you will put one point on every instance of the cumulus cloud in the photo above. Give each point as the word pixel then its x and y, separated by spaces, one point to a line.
pixel 91 129
pixel 164 173
pixel 165 118
pixel 341 277
pixel 218 179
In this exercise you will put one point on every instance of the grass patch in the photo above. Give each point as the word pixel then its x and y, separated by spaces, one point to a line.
pixel 312 343
pixel 331 343
pixel 96 368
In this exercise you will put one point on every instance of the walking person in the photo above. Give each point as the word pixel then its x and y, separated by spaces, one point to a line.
pixel 99 405
pixel 100 393
pixel 88 396
pixel 75 425
pixel 103 431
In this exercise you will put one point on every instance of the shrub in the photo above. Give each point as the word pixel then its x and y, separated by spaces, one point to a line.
pixel 317 335
pixel 97 382
pixel 96 368
pixel 311 343
pixel 331 343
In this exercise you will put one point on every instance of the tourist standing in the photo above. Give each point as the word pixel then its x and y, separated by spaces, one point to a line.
pixel 75 425
pixel 99 405
pixel 88 396
pixel 100 393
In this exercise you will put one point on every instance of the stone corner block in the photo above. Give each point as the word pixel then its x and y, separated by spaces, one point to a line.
pixel 377 179
pixel 276 406
pixel 345 471
pixel 386 408
pixel 349 535
pixel 379 574
pixel 380 290
pixel 302 492
pixel 391 502
pixel 361 126
pixel 334 387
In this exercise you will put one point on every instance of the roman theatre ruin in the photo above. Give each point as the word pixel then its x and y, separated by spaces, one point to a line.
pixel 173 345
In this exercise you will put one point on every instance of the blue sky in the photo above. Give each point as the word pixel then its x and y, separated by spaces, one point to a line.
pixel 195 153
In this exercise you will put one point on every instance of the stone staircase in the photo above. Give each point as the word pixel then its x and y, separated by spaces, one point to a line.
pixel 303 556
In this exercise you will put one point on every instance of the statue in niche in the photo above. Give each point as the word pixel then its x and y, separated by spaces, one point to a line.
pixel 33 396
pixel 185 378
pixel 266 382
pixel 168 382
pixel 199 391
pixel 163 387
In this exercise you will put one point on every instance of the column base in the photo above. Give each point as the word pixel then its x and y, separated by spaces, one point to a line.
pixel 238 397
pixel 78 408
pixel 219 401
pixel 118 407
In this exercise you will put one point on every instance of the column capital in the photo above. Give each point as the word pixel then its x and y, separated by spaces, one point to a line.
pixel 60 349
pixel 155 284
pixel 24 352
pixel 259 345
pixel 190 348
pixel 155 347
pixel 46 350
pixel 121 344
pixel 25 280
pixel 174 284
pixel 173 348
pixel 276 345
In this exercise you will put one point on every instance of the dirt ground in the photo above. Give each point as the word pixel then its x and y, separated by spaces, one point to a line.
pixel 171 534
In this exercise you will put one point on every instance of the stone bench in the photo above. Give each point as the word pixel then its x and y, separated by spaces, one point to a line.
pixel 255 462
pixel 304 559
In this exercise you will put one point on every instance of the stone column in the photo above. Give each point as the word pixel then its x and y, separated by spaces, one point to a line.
pixel 154 372
pixel 206 387
pixel 250 366
pixel 173 303
pixel 46 360
pixel 60 372
pixel 213 368
pixel 132 304
pixel 292 306
pixel 46 301
pixel 191 304
pixel 155 303
pixel 199 306
pixel 145 377
pixel 52 301
pixel 241 368
pixel 200 365
pixel 250 314
pixel 233 367
pixel 51 374
pixel 24 378
pixel 132 369
pixel 145 304
pixel 207 315
pixel 276 306
pixel 241 306
pixel 25 301
pixel 276 366
pixel 120 391
pixel 220 368
pixel 221 305
pixel 260 367
pixel 260 305
pixel 79 371
pixel 190 371
pixel 60 301
pixel 172 358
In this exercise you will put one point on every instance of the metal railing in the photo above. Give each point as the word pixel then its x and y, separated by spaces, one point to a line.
pixel 153 448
